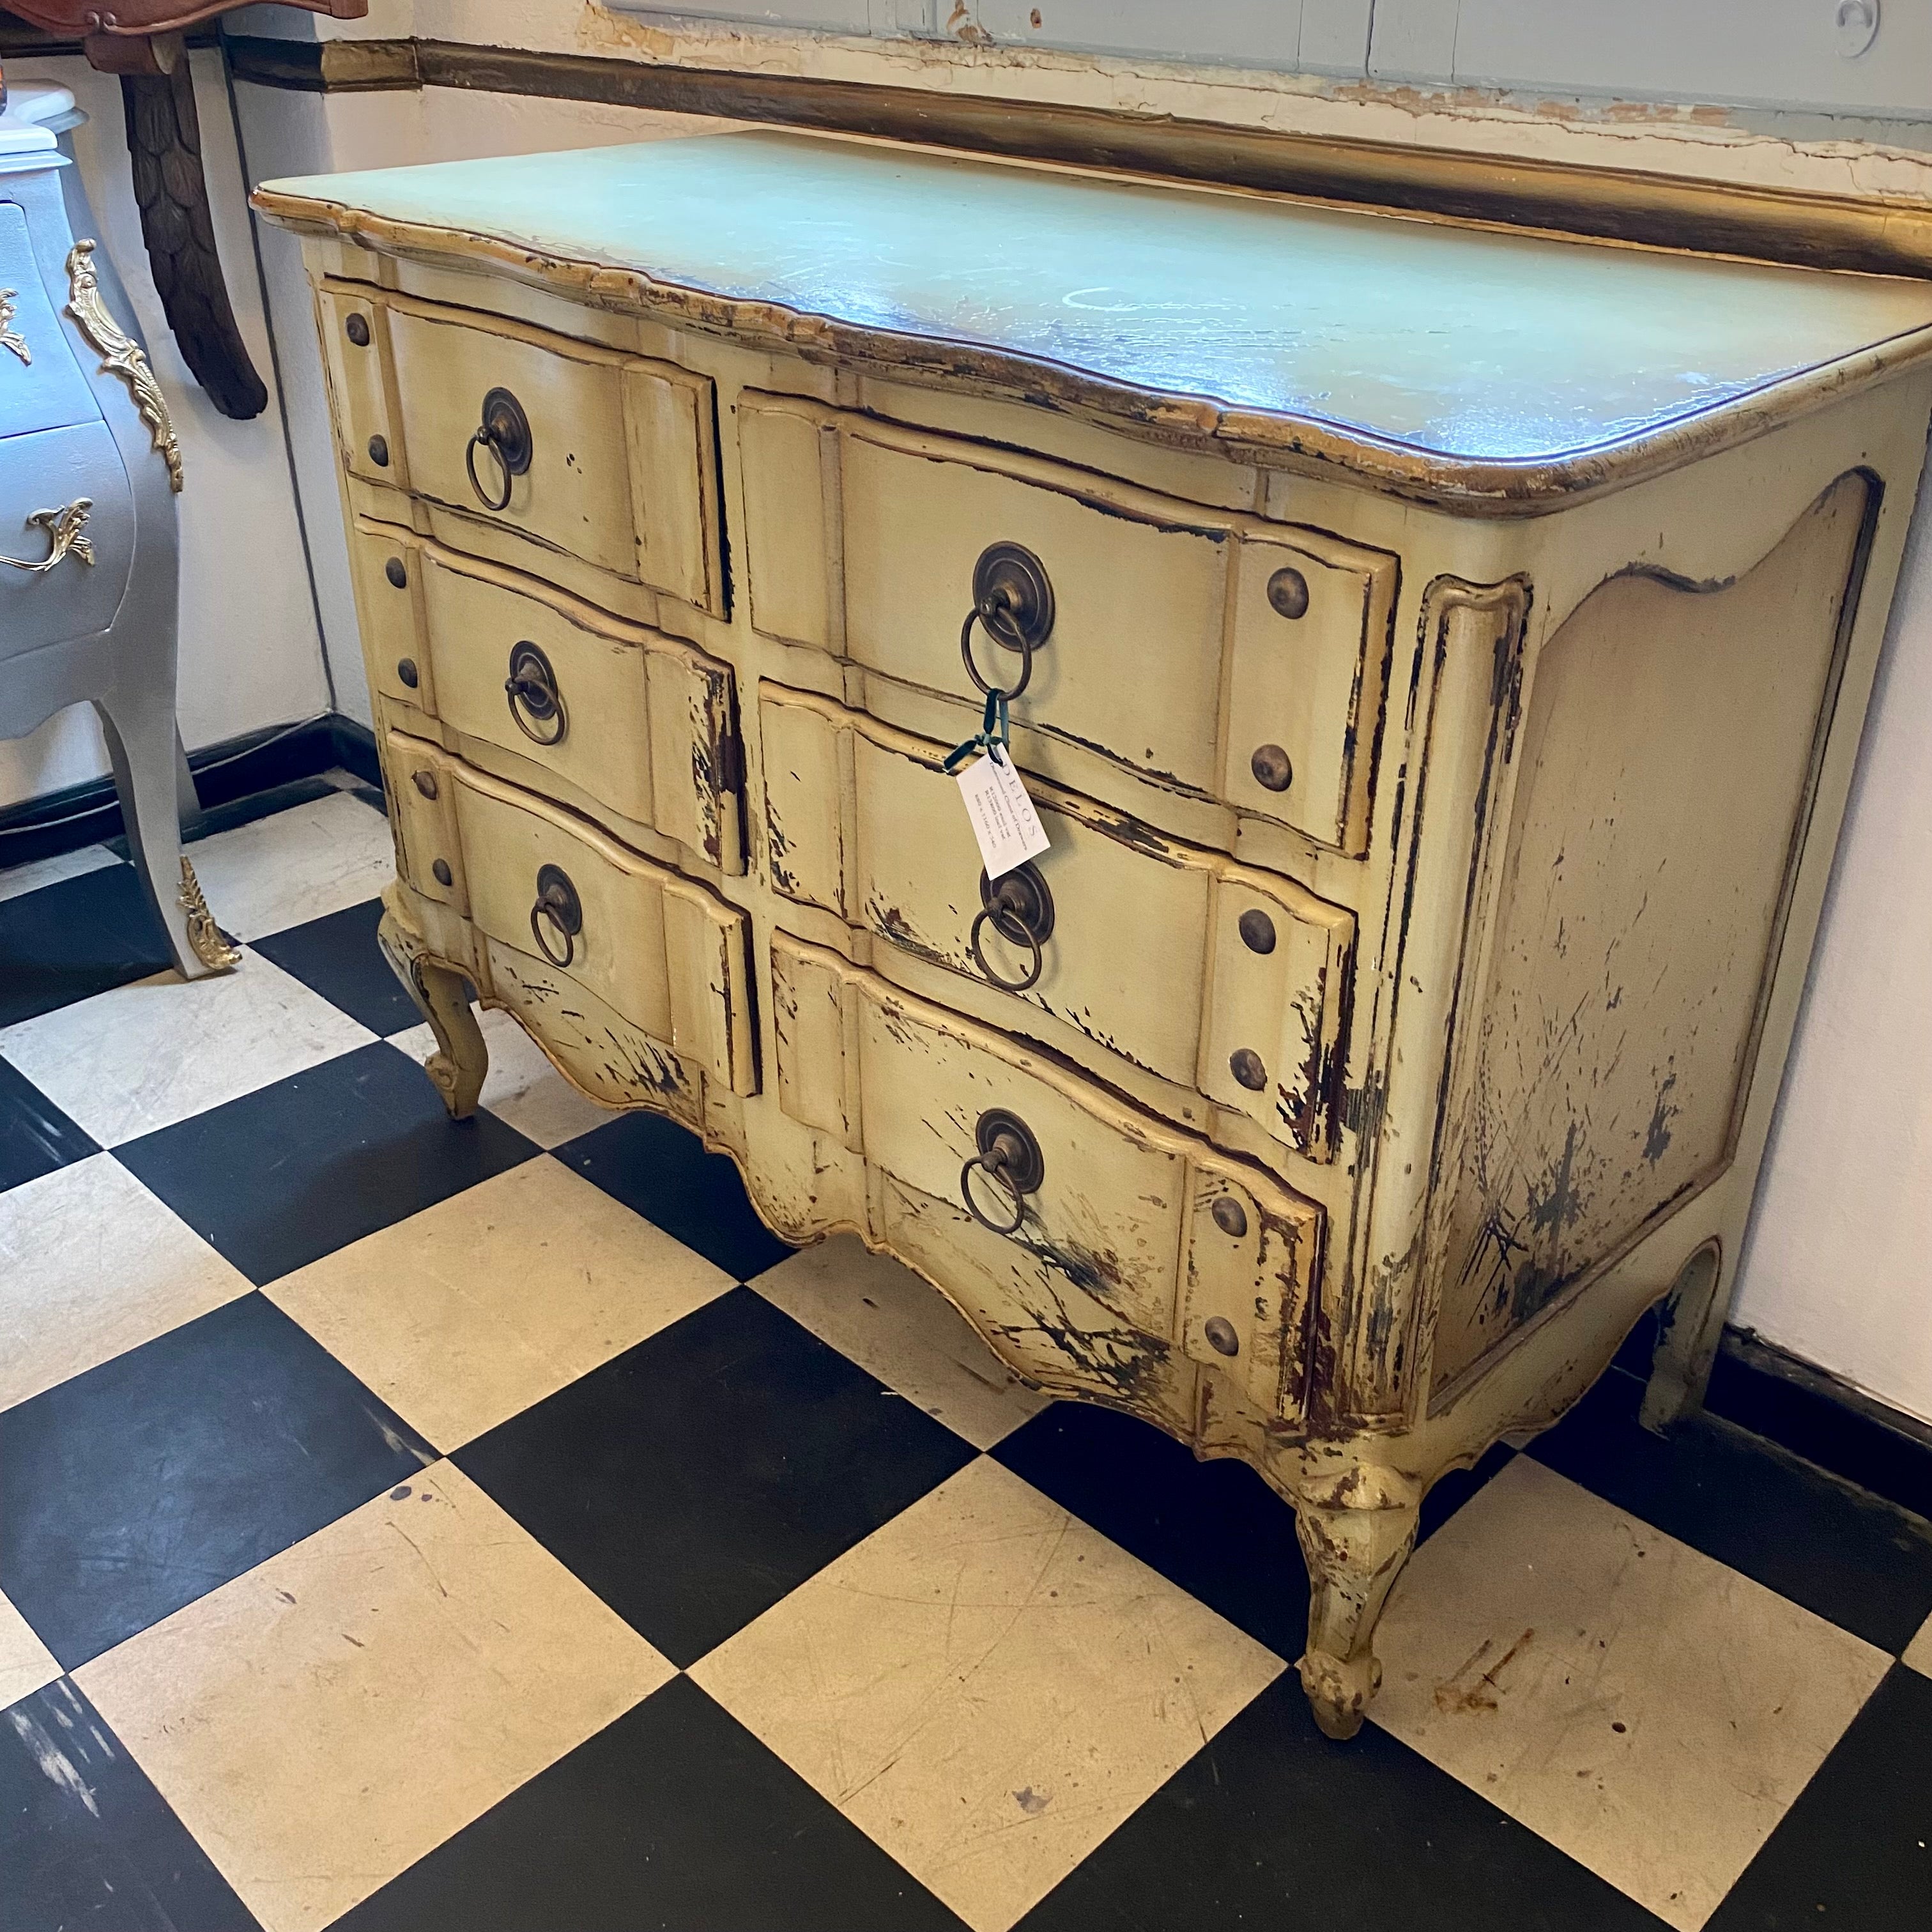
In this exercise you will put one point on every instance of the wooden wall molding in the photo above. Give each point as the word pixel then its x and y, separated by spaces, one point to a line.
pixel 1875 235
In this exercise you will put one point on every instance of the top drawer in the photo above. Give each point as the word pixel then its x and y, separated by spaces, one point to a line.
pixel 608 458
pixel 1222 656
pixel 41 386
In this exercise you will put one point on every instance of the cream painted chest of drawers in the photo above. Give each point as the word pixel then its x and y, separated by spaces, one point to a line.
pixel 1436 657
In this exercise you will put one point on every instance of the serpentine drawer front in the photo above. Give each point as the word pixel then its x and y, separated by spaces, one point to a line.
pixel 1141 591
pixel 607 456
pixel 633 720
pixel 1176 1243
pixel 67 534
pixel 1207 972
pixel 1435 657
pixel 664 952
pixel 41 385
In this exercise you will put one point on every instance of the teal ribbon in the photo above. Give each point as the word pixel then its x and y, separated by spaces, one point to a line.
pixel 994 737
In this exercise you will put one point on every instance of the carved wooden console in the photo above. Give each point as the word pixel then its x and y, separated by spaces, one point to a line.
pixel 1435 657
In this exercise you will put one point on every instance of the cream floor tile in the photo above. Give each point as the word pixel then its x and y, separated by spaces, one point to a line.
pixel 294 866
pixel 987 1687
pixel 411 1664
pixel 146 1055
pixel 1918 1651
pixel 521 1087
pixel 470 1311
pixel 91 1264
pixel 26 1664
pixel 889 1321
pixel 1644 1708
pixel 50 871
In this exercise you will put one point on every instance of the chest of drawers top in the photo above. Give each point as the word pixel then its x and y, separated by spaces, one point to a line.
pixel 1462 365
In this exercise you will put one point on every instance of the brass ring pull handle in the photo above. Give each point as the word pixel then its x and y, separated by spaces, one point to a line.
pixel 1012 601
pixel 559 908
pixel 63 528
pixel 1010 1156
pixel 505 431
pixel 535 701
pixel 1020 909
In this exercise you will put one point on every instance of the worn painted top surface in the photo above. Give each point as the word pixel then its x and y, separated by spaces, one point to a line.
pixel 1451 342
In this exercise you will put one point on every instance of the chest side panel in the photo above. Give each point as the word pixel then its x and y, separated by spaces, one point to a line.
pixel 1666 763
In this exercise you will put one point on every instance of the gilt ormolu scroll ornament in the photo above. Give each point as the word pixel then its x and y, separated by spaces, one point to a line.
pixel 10 337
pixel 211 945
pixel 121 355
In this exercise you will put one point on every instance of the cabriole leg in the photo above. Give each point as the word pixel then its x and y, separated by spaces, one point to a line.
pixel 139 725
pixel 442 995
pixel 1356 1531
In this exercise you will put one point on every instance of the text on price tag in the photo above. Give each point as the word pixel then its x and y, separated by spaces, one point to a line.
pixel 1004 822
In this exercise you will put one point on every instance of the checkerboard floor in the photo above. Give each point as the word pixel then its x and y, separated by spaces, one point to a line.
pixel 408 1525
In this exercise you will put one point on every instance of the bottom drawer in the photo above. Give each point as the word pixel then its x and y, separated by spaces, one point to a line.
pixel 661 950
pixel 1106 1239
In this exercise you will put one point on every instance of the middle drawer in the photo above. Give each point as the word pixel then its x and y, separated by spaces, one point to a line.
pixel 628 718
pixel 1208 973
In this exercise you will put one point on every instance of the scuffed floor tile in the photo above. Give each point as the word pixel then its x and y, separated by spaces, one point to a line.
pixel 987 1688
pixel 1637 1704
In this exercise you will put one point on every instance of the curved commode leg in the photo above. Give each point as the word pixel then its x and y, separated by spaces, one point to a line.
pixel 1356 1531
pixel 442 995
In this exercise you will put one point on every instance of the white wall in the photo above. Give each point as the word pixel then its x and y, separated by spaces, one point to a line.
pixel 1839 1267
pixel 250 656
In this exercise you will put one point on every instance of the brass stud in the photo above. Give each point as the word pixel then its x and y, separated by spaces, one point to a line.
pixel 1271 767
pixel 1230 1216
pixel 405 669
pixel 378 451
pixel 1245 1064
pixel 425 783
pixel 397 574
pixel 1220 1335
pixel 1288 591
pixel 1257 931
pixel 444 876
pixel 357 329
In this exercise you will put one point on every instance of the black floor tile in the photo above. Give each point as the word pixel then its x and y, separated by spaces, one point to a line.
pixel 1214 1528
pixel 1850 1557
pixel 674 1819
pixel 700 1477
pixel 658 1168
pixel 1855 1849
pixel 86 1841
pixel 227 815
pixel 1269 1825
pixel 35 1136
pixel 296 1170
pixel 69 941
pixel 144 1483
pixel 370 796
pixel 338 957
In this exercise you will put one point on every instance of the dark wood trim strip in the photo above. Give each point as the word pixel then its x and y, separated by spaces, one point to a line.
pixel 1817 1415
pixel 1874 235
pixel 324 66
pixel 89 814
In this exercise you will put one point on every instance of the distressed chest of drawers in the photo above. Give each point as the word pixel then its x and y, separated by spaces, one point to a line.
pixel 1436 657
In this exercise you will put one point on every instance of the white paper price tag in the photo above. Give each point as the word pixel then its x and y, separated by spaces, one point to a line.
pixel 1004 822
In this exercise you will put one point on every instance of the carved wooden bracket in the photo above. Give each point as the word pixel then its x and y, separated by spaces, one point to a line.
pixel 141 41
